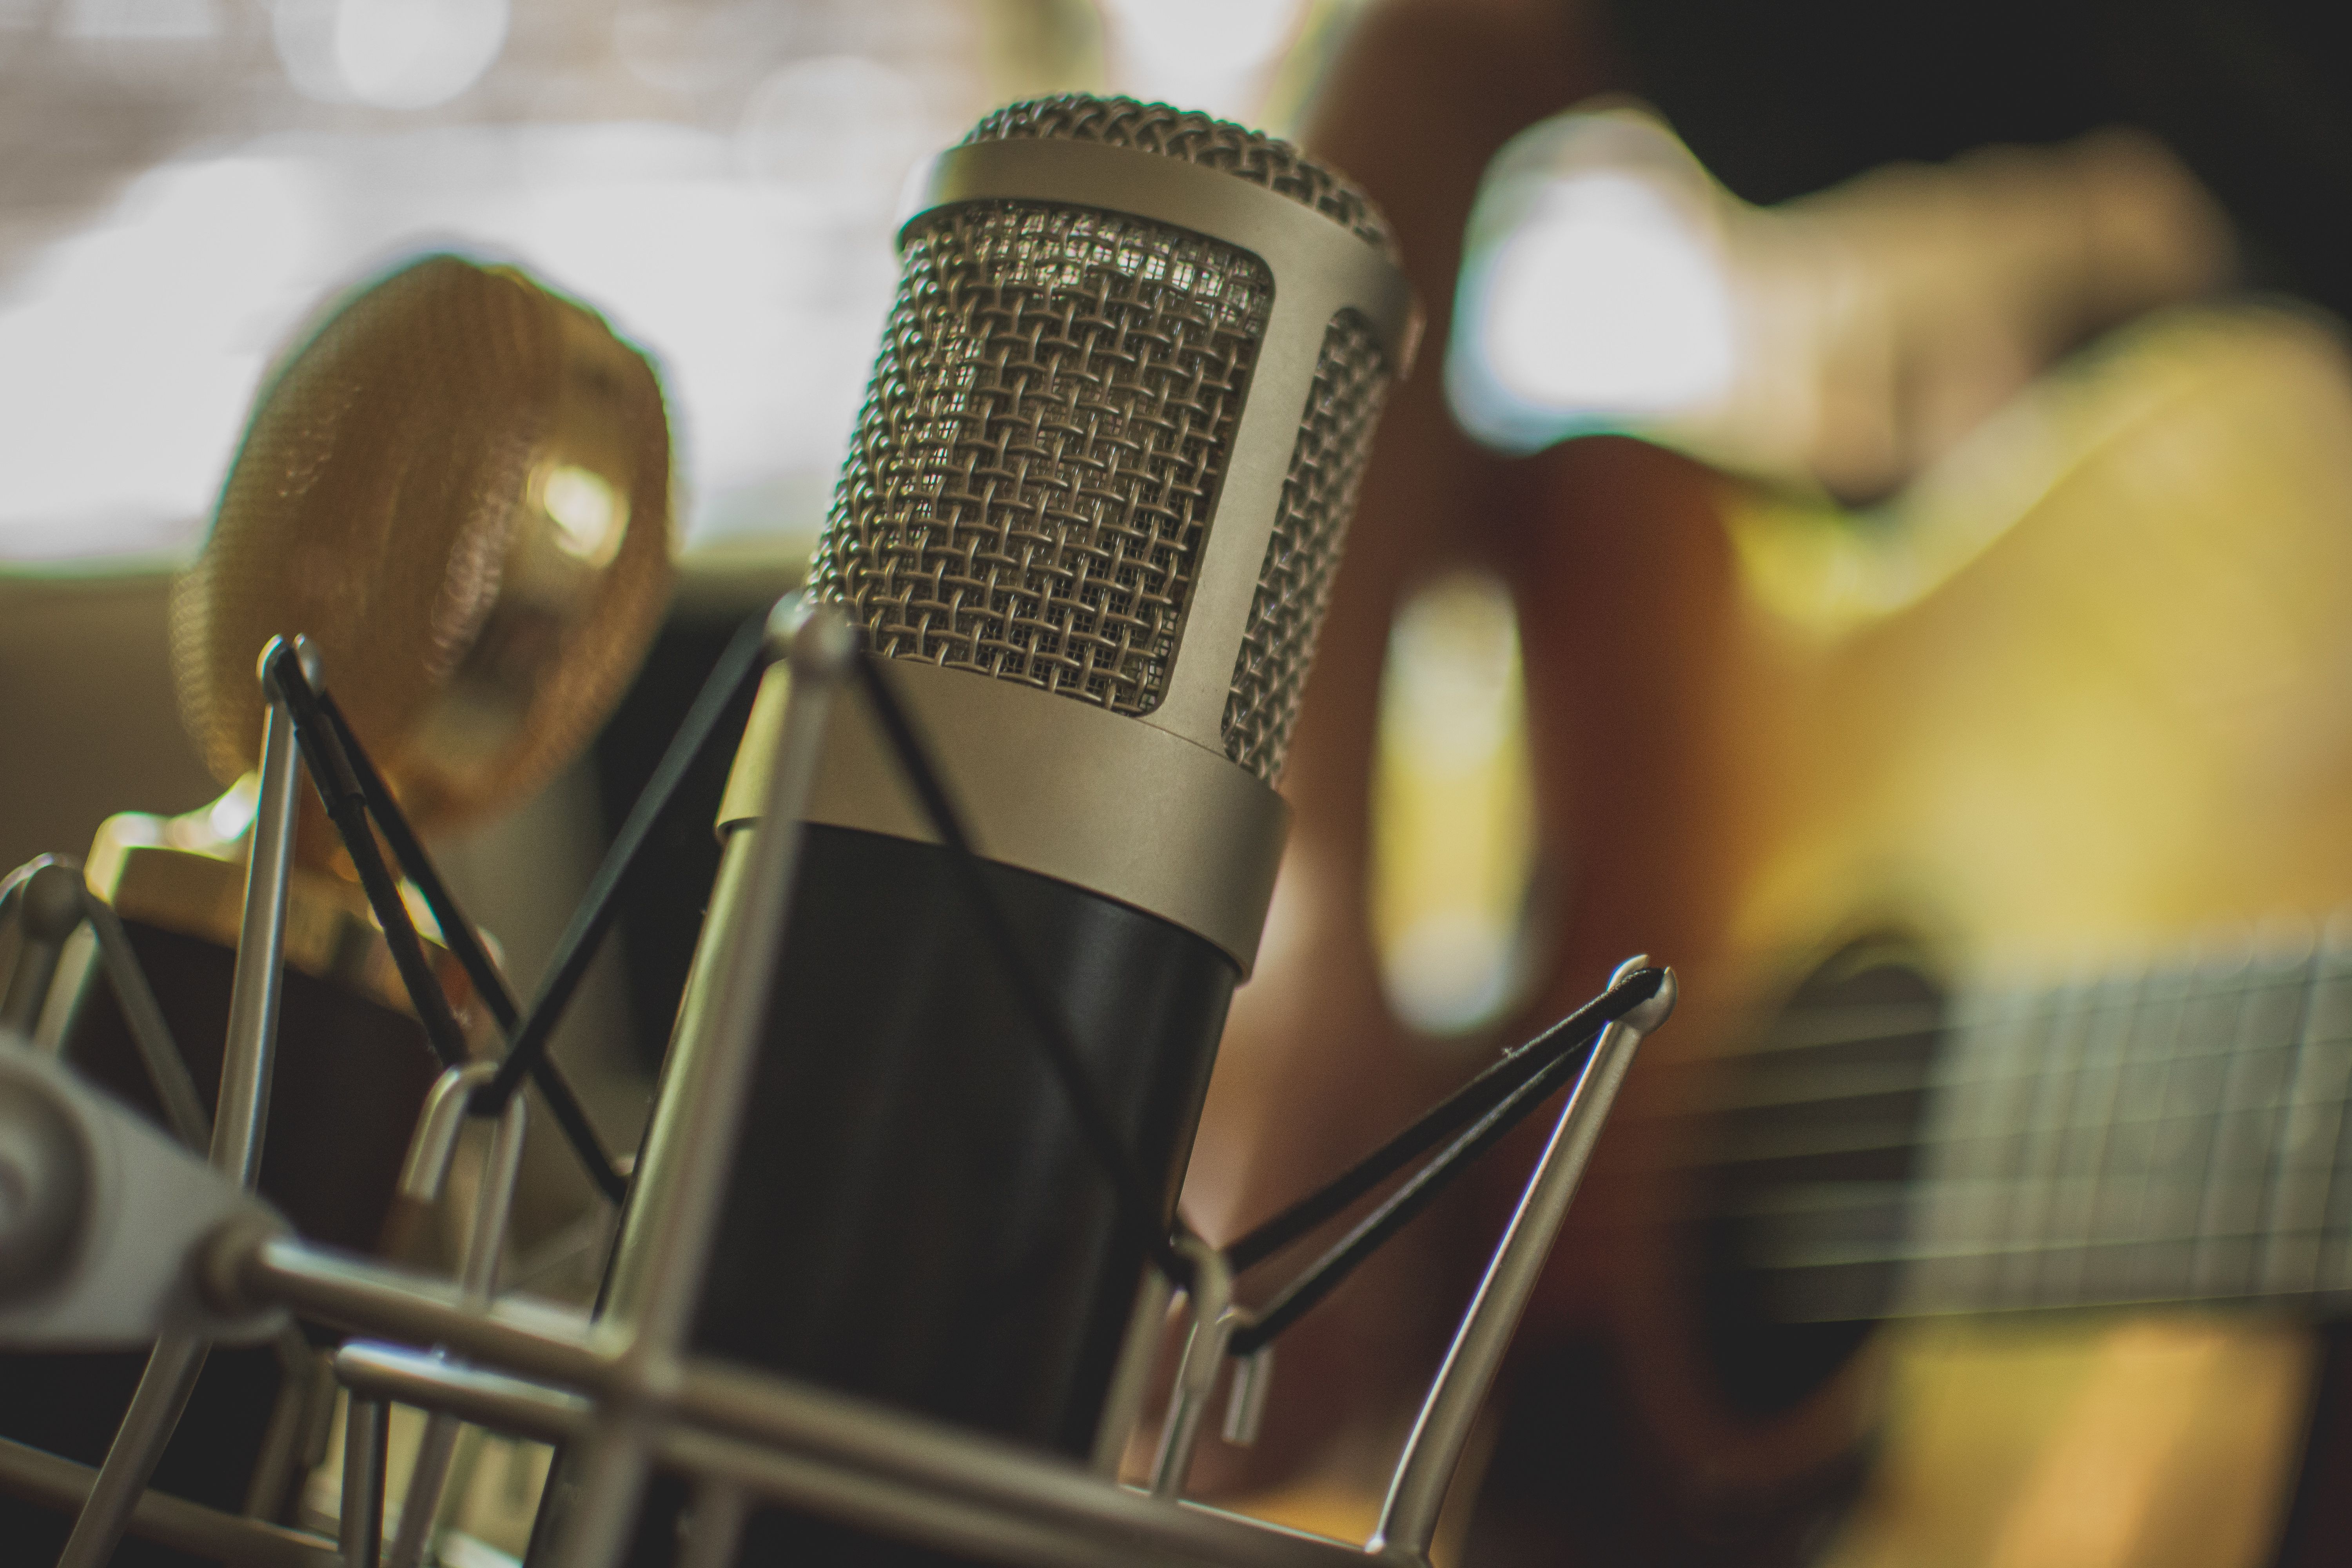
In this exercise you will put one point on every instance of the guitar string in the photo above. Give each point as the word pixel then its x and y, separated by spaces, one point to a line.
pixel 1928 1085
pixel 1937 1076
pixel 1931 1085
pixel 2175 1263
pixel 2052 992
pixel 2253 1191
pixel 2150 1001
pixel 1873 1137
pixel 1798 1029
pixel 2190 1258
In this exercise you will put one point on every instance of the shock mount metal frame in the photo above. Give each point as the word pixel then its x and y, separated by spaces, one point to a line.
pixel 629 1396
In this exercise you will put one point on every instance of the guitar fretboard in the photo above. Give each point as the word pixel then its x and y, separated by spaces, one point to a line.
pixel 2178 1133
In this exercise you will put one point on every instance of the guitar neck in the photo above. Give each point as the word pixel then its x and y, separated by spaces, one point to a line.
pixel 2178 1133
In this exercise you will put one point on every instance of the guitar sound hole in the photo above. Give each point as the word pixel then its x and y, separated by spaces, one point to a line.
pixel 1815 1140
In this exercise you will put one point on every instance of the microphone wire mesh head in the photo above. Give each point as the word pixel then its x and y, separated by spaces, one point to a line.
pixel 1032 479
pixel 457 487
pixel 1195 138
pixel 1302 558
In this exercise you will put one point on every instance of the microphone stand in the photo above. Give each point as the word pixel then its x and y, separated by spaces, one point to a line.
pixel 236 1154
pixel 629 1396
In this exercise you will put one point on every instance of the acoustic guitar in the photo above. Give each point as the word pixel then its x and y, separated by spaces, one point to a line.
pixel 1980 1206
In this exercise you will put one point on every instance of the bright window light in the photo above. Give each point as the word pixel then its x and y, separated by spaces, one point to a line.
pixel 1212 54
pixel 588 514
pixel 1600 289
pixel 1452 815
pixel 1608 303
pixel 142 20
pixel 390 54
pixel 129 352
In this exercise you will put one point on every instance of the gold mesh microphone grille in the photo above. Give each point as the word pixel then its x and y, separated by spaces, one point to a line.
pixel 458 486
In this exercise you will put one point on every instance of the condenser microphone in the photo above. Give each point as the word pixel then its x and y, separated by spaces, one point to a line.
pixel 1087 525
pixel 457 484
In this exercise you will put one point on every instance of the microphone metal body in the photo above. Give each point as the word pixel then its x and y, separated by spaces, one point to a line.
pixel 1090 517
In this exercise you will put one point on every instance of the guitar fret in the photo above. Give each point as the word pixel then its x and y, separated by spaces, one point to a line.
pixel 1811 1282
pixel 1960 1209
pixel 2305 1157
pixel 2196 1072
pixel 2018 1272
pixel 1958 1068
pixel 2128 1187
pixel 1878 1135
pixel 1861 1235
pixel 2171 1134
pixel 2252 1093
pixel 2336 1262
pixel 2332 1018
pixel 2074 1208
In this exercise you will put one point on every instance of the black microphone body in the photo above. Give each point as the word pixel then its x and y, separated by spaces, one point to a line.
pixel 972 1260
pixel 1090 521
pixel 912 1216
pixel 335 1135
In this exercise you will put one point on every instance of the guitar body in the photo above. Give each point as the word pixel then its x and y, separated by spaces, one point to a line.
pixel 2079 702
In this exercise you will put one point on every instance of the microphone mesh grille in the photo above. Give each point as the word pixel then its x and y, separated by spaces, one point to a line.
pixel 1040 450
pixel 382 503
pixel 1033 473
pixel 1293 584
pixel 1195 138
